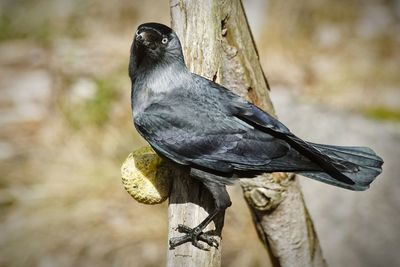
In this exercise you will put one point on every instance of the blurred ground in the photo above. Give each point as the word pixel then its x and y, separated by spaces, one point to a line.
pixel 65 128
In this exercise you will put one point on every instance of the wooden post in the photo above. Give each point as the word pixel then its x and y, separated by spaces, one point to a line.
pixel 218 44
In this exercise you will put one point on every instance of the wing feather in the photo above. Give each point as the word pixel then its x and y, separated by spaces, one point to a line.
pixel 209 139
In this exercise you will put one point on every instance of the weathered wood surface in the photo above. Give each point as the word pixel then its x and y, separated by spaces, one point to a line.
pixel 218 44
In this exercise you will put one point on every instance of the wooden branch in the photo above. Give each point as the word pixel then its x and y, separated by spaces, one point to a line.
pixel 218 44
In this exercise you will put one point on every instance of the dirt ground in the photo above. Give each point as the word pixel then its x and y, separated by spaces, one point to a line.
pixel 65 129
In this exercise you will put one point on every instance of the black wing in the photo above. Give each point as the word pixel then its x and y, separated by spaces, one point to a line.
pixel 197 130
pixel 264 122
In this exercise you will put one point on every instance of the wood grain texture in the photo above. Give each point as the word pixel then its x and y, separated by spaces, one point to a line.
pixel 218 44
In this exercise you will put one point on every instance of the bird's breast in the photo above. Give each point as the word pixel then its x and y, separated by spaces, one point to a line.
pixel 154 86
pixel 144 96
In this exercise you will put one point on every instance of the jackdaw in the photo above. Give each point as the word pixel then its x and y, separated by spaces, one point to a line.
pixel 200 124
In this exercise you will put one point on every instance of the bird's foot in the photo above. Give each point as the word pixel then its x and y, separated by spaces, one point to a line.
pixel 193 235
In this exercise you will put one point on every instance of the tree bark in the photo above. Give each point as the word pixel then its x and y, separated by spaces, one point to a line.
pixel 218 44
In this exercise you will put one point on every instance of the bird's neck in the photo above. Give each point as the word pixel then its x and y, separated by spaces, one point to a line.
pixel 152 84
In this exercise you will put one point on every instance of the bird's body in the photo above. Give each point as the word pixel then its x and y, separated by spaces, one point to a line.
pixel 217 134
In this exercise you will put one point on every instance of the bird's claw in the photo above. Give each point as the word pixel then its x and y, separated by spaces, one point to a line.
pixel 193 235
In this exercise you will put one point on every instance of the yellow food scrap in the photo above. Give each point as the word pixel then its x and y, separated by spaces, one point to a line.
pixel 145 176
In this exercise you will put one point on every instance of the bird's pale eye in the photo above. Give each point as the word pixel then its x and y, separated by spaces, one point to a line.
pixel 164 40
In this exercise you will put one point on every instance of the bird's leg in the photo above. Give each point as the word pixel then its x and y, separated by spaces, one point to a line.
pixel 196 234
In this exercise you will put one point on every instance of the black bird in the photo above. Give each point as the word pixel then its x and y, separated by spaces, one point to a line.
pixel 197 123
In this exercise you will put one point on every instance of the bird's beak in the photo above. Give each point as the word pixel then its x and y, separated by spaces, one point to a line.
pixel 140 37
pixel 144 37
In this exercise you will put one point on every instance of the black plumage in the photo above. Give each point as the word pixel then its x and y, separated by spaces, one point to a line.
pixel 198 123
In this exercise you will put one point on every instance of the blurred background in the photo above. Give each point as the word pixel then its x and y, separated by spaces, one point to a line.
pixel 65 128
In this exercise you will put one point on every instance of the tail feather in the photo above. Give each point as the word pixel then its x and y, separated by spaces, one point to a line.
pixel 369 166
pixel 357 155
pixel 326 178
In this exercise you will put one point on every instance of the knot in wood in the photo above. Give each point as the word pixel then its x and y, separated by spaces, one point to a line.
pixel 266 192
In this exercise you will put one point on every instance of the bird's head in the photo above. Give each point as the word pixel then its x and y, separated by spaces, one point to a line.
pixel 153 44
